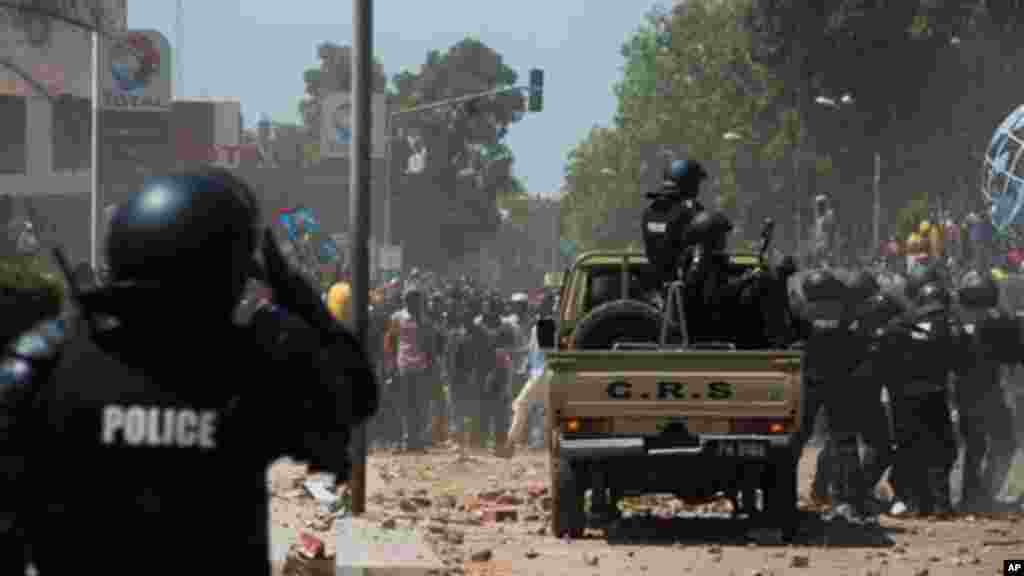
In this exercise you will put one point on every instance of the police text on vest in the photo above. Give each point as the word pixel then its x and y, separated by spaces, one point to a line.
pixel 166 427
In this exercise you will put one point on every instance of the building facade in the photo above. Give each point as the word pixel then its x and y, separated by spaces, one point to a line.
pixel 45 147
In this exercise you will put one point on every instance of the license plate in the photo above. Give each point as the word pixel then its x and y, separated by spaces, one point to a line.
pixel 741 449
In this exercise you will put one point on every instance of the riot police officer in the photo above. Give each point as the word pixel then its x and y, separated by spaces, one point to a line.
pixel 666 221
pixel 855 409
pixel 819 301
pixel 986 421
pixel 165 412
pixel 922 353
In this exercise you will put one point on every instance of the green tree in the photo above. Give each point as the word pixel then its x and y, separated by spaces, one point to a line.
pixel 334 74
pixel 448 207
pixel 689 80
pixel 929 81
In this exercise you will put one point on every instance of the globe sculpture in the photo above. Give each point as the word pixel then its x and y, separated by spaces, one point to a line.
pixel 1003 174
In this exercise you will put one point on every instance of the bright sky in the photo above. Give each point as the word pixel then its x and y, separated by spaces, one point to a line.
pixel 256 51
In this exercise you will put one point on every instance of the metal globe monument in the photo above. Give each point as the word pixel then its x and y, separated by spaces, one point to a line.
pixel 1002 180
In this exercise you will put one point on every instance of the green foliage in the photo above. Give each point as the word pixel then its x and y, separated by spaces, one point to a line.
pixel 929 80
pixel 688 80
pixel 450 207
pixel 920 77
pixel 447 208
pixel 518 207
pixel 910 216
pixel 31 276
pixel 334 74
pixel 30 292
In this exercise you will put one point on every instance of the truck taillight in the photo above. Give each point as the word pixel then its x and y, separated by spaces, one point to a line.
pixel 585 425
pixel 761 426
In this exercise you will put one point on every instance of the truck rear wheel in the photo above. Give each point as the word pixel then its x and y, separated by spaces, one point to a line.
pixel 779 487
pixel 619 321
pixel 568 517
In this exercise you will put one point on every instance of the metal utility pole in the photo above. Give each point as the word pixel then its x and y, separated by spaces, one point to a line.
pixel 179 48
pixel 96 157
pixel 359 214
pixel 557 232
pixel 877 216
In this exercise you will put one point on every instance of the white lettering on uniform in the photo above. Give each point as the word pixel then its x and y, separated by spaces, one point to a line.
pixel 113 420
pixel 135 426
pixel 186 428
pixel 159 427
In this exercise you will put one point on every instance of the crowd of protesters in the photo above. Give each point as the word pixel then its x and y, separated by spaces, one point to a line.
pixel 452 355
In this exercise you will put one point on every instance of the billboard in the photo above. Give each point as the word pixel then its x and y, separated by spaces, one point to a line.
pixel 48 75
pixel 134 146
pixel 336 125
pixel 135 71
pixel 207 132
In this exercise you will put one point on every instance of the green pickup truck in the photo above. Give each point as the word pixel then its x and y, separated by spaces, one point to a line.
pixel 628 416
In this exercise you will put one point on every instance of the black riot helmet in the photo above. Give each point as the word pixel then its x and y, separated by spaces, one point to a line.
pixel 666 220
pixel 933 273
pixel 874 313
pixel 709 230
pixel 978 290
pixel 863 285
pixel 191 234
pixel 683 177
pixel 932 294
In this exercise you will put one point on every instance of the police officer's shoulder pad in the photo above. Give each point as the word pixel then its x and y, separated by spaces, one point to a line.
pixel 42 342
pixel 15 376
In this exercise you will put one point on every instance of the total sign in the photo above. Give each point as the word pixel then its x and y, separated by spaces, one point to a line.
pixel 135 71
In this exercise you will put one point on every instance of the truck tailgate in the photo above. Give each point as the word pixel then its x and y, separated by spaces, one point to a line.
pixel 637 392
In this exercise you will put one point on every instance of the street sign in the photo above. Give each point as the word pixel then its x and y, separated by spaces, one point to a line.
pixel 336 126
pixel 135 71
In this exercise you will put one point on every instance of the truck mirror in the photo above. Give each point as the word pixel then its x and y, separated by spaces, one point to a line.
pixel 546 333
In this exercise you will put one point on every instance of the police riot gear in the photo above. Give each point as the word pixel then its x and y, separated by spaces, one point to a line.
pixel 921 353
pixel 667 219
pixel 197 231
pixel 818 299
pixel 166 416
pixel 986 420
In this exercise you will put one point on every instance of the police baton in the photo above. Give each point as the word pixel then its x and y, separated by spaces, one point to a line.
pixel 74 288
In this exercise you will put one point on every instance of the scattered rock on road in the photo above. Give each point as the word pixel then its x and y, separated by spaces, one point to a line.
pixel 482 555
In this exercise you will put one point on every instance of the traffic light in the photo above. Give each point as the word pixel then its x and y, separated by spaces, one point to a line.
pixel 536 90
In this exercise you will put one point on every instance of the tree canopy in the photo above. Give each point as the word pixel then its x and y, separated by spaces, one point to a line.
pixel 808 93
pixel 448 205
pixel 689 87
pixel 450 164
pixel 334 74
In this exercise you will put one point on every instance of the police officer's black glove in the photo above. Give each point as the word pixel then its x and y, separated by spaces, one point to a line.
pixel 344 352
pixel 291 291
